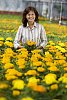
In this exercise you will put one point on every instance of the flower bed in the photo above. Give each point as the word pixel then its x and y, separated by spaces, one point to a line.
pixel 33 75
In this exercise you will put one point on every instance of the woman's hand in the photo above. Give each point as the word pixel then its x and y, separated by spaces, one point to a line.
pixel 39 47
pixel 19 47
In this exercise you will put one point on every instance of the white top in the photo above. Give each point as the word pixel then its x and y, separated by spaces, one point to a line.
pixel 36 34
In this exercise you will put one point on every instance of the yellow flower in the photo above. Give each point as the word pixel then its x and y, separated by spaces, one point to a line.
pixel 65 74
pixel 31 72
pixel 61 49
pixel 32 81
pixel 10 77
pixel 40 69
pixel 13 72
pixel 50 78
pixel 3 98
pixel 54 87
pixel 36 51
pixel 9 52
pixel 7 43
pixel 16 92
pixel 63 79
pixel 1 43
pixel 21 61
pixel 65 69
pixel 18 84
pixel 37 63
pixel 61 44
pixel 30 43
pixel 27 98
pixel 65 86
pixel 53 68
pixel 6 59
pixel 3 85
pixel 8 65
pixel 9 39
pixel 1 39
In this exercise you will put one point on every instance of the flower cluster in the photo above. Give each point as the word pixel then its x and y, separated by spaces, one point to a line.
pixel 30 45
pixel 32 75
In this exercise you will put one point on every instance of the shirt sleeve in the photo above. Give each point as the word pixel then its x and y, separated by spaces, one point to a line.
pixel 43 37
pixel 18 37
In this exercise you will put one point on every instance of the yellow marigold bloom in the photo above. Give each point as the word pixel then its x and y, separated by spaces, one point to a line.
pixel 1 39
pixel 33 58
pixel 22 50
pixel 7 43
pixel 13 72
pixel 30 43
pixel 61 44
pixel 1 43
pixel 65 64
pixel 61 61
pixel 50 78
pixel 9 39
pixel 65 74
pixel 8 65
pixel 27 98
pixel 21 61
pixel 37 63
pixel 53 68
pixel 18 84
pixel 54 87
pixel 39 88
pixel 3 98
pixel 6 60
pixel 31 72
pixel 9 52
pixel 61 49
pixel 65 68
pixel 32 81
pixel 3 85
pixel 51 43
pixel 16 92
pixel 65 86
pixel 10 77
pixel 47 54
pixel 40 69
pixel 36 51
pixel 63 79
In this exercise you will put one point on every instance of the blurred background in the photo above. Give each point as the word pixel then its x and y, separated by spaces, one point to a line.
pixel 52 9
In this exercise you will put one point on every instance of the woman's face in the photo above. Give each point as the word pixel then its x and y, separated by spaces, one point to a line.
pixel 30 16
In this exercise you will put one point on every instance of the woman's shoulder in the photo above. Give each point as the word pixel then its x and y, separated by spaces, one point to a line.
pixel 40 25
pixel 21 26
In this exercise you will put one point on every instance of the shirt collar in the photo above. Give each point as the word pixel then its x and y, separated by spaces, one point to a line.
pixel 35 24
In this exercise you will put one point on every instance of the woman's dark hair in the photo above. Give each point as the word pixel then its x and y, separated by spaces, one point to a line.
pixel 26 11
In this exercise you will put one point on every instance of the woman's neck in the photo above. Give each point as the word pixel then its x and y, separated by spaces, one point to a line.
pixel 31 24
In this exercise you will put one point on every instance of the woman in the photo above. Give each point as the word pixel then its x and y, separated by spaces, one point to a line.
pixel 30 30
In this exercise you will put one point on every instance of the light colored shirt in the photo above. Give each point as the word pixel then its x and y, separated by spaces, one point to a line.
pixel 36 34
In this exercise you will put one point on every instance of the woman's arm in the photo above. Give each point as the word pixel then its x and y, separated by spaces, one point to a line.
pixel 43 37
pixel 18 38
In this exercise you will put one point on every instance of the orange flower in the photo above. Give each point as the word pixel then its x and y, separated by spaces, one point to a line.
pixel 39 88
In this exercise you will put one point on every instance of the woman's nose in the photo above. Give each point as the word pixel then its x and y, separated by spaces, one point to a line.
pixel 30 15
